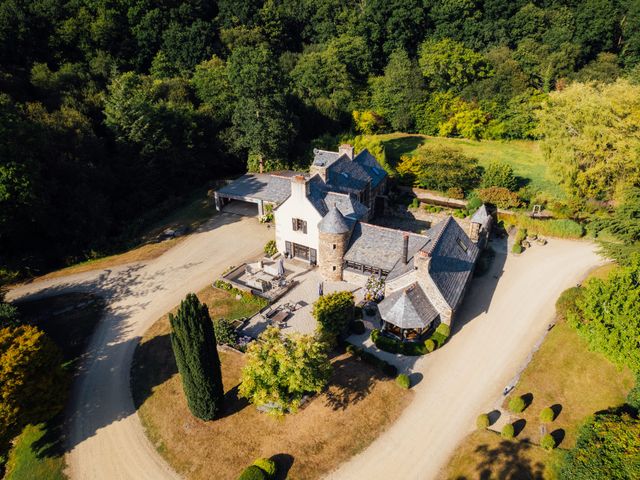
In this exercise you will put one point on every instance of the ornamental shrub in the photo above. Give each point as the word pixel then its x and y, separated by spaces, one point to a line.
pixel 430 345
pixel 270 248
pixel 413 349
pixel 547 415
pixel 403 381
pixel 508 431
pixel 455 192
pixel 517 248
pixel 252 473
pixel 267 465
pixel 357 328
pixel 548 442
pixel 499 196
pixel 474 204
pixel 334 312
pixel 415 203
pixel 499 174
pixel 444 330
pixel 566 302
pixel 438 338
pixel 225 331
pixel 483 421
pixel 193 341
pixel 517 404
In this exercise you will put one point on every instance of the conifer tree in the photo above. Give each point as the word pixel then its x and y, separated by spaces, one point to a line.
pixel 194 347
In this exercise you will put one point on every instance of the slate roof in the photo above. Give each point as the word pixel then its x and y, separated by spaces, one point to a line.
pixel 322 199
pixel 381 247
pixel 481 216
pixel 334 222
pixel 371 166
pixel 453 256
pixel 347 175
pixel 408 308
pixel 324 158
pixel 262 186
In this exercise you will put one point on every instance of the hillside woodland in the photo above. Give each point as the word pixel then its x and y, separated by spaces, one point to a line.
pixel 110 109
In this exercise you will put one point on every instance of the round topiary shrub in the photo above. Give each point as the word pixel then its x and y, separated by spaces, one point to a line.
pixel 508 431
pixel 267 465
pixel 430 345
pixel 252 473
pixel 403 380
pixel 547 415
pixel 444 330
pixel 483 421
pixel 517 404
pixel 548 442
pixel 517 248
pixel 357 327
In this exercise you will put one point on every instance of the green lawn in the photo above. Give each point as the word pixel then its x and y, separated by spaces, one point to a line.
pixel 69 320
pixel 524 156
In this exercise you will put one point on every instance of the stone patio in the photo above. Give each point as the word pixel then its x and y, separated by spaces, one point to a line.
pixel 301 296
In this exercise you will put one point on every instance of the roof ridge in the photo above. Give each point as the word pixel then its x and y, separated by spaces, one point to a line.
pixel 395 230
pixel 436 240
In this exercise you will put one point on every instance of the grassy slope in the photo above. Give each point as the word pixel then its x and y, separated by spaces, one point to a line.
pixel 327 431
pixel 563 372
pixel 37 452
pixel 524 156
pixel 194 213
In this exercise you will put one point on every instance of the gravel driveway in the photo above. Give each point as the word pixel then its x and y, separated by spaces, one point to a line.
pixel 503 315
pixel 105 437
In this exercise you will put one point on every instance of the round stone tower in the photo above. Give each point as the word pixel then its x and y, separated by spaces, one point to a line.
pixel 334 233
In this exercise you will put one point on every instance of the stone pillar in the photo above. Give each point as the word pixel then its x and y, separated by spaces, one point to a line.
pixel 331 255
pixel 474 232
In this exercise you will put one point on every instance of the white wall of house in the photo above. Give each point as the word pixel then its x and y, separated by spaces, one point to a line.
pixel 297 206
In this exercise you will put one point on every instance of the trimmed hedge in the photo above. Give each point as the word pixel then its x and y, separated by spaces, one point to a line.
pixel 267 465
pixel 561 228
pixel 508 431
pixel 414 349
pixel 517 404
pixel 483 421
pixel 547 415
pixel 388 369
pixel 252 473
pixel 548 442
pixel 444 330
pixel 403 381
pixel 430 345
pixel 517 248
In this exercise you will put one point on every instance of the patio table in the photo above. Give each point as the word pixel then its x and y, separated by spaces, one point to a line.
pixel 280 317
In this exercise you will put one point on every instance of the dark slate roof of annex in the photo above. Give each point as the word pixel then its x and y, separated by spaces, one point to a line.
pixel 453 256
pixel 323 199
pixel 408 308
pixel 274 188
pixel 381 247
pixel 347 176
pixel 324 158
pixel 372 167
pixel 481 216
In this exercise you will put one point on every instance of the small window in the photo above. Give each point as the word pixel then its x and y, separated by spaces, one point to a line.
pixel 462 245
pixel 299 225
pixel 334 246
pixel 334 268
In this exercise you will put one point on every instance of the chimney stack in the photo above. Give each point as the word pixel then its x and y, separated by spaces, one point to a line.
pixel 261 167
pixel 347 149
pixel 299 187
pixel 405 248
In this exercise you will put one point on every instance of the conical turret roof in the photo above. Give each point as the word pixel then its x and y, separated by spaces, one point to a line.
pixel 334 222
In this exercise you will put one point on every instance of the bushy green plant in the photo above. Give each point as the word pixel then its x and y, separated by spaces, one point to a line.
pixel 413 349
pixel 500 197
pixel 517 248
pixel 430 345
pixel 415 203
pixel 633 397
pixel 517 404
pixel 444 330
pixel 548 442
pixel 474 204
pixel 508 431
pixel 499 174
pixel 483 421
pixel 455 192
pixel 403 381
pixel 252 473
pixel 270 248
pixel 566 302
pixel 225 331
pixel 267 465
pixel 561 228
pixel 547 415
pixel 333 313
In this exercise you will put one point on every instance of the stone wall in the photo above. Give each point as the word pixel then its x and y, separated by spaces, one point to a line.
pixel 332 247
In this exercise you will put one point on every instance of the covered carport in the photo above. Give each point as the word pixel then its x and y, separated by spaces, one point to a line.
pixel 259 189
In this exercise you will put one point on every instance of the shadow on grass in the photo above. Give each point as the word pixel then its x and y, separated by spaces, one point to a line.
pixel 351 382
pixel 51 443
pixel 494 415
pixel 153 364
pixel 397 147
pixel 507 460
pixel 284 462
pixel 518 426
pixel 558 435
pixel 557 409
pixel 232 403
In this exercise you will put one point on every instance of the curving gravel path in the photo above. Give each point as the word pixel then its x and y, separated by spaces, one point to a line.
pixel 105 438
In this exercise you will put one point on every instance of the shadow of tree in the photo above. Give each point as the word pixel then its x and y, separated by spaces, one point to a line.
pixel 508 461
pixel 558 435
pixel 284 462
pixel 232 403
pixel 494 415
pixel 557 409
pixel 153 364
pixel 518 426
pixel 351 382
pixel 528 399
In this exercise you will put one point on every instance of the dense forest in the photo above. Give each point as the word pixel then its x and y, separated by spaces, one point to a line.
pixel 110 108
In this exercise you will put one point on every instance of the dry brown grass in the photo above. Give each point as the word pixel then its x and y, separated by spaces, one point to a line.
pixel 357 406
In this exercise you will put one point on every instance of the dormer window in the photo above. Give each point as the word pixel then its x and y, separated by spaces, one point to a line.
pixel 299 225
pixel 462 245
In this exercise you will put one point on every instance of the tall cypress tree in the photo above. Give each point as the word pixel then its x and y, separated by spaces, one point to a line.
pixel 194 347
